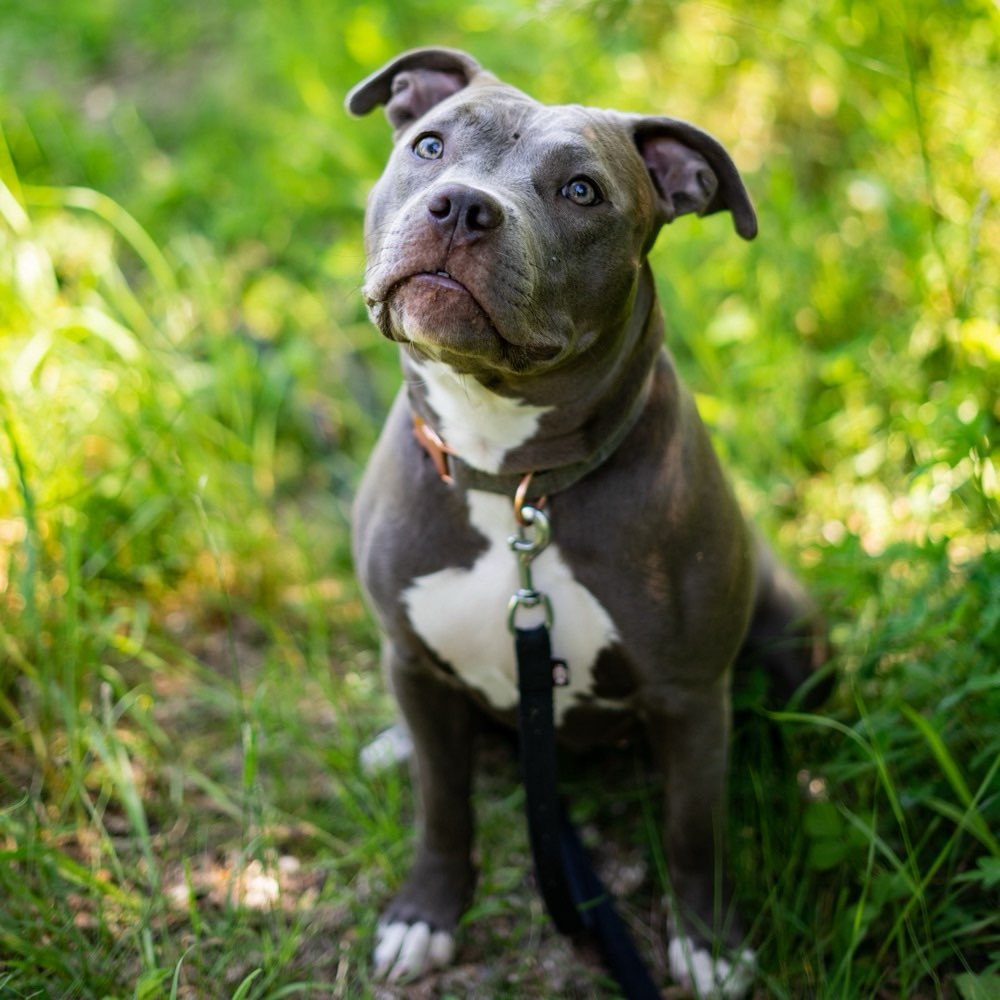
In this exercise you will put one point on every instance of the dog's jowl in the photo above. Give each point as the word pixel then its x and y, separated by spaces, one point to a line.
pixel 506 255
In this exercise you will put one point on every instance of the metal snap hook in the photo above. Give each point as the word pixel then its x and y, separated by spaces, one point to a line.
pixel 526 549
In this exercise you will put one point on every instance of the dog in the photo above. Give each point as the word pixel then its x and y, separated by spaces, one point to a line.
pixel 507 246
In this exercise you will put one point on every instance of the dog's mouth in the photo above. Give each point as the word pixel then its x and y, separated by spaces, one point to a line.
pixel 442 281
pixel 442 278
pixel 442 318
pixel 435 311
pixel 430 283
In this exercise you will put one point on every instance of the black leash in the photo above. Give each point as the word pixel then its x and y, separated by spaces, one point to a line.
pixel 573 893
pixel 538 771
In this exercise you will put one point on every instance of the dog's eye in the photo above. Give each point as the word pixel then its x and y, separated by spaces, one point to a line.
pixel 582 191
pixel 429 147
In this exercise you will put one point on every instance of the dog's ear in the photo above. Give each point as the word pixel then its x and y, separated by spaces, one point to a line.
pixel 692 172
pixel 413 83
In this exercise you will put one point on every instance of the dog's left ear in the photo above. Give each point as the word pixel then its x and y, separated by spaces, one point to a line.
pixel 413 83
pixel 692 172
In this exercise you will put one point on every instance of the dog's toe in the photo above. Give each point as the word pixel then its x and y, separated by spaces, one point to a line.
pixel 407 951
pixel 710 977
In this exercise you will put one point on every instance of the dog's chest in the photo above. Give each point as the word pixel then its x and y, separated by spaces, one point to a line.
pixel 461 614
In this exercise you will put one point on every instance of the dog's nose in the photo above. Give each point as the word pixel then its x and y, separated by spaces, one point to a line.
pixel 469 211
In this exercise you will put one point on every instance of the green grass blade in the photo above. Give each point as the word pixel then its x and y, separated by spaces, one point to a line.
pixel 972 820
pixel 114 215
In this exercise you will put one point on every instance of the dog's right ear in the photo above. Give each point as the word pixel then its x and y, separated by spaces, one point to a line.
pixel 413 83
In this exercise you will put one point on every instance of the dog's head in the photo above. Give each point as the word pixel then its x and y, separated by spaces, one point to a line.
pixel 508 236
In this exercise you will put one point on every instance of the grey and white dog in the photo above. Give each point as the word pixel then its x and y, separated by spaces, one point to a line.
pixel 506 245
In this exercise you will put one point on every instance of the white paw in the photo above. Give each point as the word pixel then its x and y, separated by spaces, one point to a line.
pixel 407 951
pixel 711 978
pixel 388 749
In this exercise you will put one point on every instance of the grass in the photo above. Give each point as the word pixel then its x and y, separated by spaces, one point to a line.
pixel 188 390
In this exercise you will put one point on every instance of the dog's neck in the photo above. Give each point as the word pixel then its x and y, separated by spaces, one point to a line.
pixel 590 402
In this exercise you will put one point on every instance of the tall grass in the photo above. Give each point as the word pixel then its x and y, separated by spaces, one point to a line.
pixel 188 388
pixel 142 459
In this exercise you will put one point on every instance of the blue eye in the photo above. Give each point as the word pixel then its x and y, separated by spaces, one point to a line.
pixel 429 147
pixel 582 191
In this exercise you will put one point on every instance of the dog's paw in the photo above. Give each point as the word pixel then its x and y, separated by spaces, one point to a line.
pixel 389 749
pixel 407 951
pixel 694 967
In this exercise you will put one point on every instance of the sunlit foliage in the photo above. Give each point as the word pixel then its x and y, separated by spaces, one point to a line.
pixel 189 387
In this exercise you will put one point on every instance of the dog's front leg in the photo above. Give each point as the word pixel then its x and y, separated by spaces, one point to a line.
pixel 416 932
pixel 689 734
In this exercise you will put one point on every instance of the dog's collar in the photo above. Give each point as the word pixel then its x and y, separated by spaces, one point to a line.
pixel 455 471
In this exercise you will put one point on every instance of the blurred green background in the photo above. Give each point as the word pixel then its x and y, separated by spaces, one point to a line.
pixel 189 387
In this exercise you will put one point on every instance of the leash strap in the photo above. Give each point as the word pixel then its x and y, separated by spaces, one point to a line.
pixel 538 771
pixel 573 892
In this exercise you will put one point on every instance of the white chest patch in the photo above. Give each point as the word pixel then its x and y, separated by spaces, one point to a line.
pixel 481 426
pixel 462 614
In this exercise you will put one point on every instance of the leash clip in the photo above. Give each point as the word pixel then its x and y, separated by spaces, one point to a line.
pixel 526 549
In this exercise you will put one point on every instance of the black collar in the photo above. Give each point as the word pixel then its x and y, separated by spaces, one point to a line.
pixel 455 471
